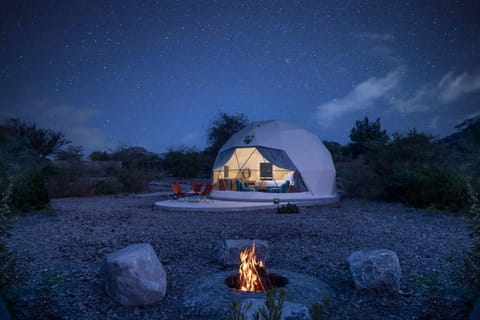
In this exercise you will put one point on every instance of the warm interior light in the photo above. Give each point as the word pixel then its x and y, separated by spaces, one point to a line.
pixel 253 273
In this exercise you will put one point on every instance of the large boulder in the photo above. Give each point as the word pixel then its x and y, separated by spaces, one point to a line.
pixel 375 269
pixel 135 276
pixel 230 251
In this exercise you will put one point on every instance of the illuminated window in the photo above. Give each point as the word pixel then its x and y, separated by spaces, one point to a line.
pixel 266 171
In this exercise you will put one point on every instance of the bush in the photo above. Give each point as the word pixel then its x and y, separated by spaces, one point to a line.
pixel 100 156
pixel 109 185
pixel 132 180
pixel 288 208
pixel 426 187
pixel 29 190
pixel 183 162
pixel 411 168
pixel 10 277
pixel 358 179
pixel 432 187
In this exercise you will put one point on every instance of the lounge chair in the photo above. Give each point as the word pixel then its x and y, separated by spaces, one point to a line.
pixel 206 192
pixel 177 190
pixel 282 189
pixel 241 187
pixel 285 187
pixel 199 196
pixel 196 187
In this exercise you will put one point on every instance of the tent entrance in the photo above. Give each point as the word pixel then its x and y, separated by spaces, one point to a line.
pixel 257 169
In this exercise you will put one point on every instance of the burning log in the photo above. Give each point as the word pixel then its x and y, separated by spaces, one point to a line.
pixel 251 271
pixel 263 278
pixel 253 275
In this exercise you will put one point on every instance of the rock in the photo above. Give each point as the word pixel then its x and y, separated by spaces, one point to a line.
pixel 375 269
pixel 230 252
pixel 290 310
pixel 135 276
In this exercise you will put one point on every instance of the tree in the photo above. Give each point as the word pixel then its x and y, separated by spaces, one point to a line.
pixel 100 156
pixel 183 162
pixel 222 128
pixel 44 142
pixel 336 150
pixel 367 137
pixel 70 153
pixel 21 166
pixel 413 149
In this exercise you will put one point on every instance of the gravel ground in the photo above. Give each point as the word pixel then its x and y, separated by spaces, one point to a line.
pixel 68 245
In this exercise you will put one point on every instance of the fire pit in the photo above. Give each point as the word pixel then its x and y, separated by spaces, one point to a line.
pixel 212 294
pixel 253 276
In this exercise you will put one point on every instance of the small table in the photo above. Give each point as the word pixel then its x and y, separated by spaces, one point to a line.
pixel 261 186
pixel 250 183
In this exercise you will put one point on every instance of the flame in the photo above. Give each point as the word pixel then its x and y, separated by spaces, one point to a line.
pixel 250 271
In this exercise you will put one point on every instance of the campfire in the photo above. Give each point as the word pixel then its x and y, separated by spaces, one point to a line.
pixel 252 274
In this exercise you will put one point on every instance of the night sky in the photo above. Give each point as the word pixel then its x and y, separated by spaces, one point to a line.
pixel 155 73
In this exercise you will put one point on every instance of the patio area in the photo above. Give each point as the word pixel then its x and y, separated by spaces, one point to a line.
pixel 211 204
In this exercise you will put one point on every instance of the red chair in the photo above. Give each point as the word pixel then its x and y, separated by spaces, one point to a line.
pixel 208 189
pixel 177 189
pixel 196 187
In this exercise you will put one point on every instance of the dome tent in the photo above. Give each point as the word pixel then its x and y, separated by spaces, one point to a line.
pixel 274 159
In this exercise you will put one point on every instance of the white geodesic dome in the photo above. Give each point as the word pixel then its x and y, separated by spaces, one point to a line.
pixel 287 146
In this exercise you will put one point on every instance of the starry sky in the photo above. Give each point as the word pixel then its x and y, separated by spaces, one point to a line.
pixel 155 73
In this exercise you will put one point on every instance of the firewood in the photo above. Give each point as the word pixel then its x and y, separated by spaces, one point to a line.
pixel 263 277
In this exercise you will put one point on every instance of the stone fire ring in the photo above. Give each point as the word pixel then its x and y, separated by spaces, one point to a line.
pixel 210 294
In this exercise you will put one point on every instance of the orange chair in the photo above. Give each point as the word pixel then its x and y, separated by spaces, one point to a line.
pixel 196 187
pixel 177 189
pixel 206 192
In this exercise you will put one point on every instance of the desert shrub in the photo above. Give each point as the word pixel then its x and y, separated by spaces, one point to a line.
pixel 410 168
pixel 65 179
pixel 132 180
pixel 288 208
pixel 10 277
pixel 358 179
pixel 23 149
pixel 183 162
pixel 426 187
pixel 110 185
pixel 432 187
pixel 100 156
pixel 80 178
pixel 70 153
pixel 29 189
